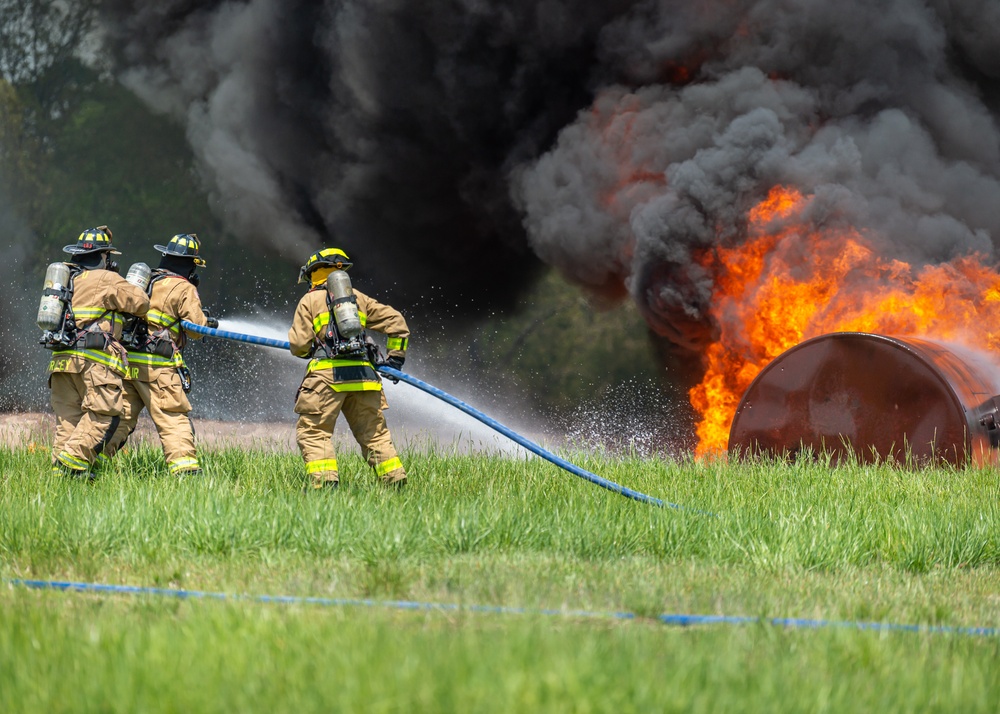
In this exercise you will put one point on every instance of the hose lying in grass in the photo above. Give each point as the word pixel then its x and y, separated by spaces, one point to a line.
pixel 682 620
pixel 458 404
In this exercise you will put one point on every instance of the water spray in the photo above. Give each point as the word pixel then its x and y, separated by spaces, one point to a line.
pixel 395 374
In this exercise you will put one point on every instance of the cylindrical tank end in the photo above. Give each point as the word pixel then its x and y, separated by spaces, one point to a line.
pixel 872 398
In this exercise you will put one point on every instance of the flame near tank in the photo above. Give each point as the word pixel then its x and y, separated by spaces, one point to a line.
pixel 789 282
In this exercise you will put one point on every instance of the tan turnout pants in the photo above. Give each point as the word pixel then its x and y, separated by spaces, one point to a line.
pixel 88 407
pixel 169 409
pixel 318 407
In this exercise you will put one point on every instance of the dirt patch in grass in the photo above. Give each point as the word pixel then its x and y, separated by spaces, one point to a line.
pixel 26 428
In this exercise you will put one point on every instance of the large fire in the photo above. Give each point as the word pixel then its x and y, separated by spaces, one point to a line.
pixel 789 282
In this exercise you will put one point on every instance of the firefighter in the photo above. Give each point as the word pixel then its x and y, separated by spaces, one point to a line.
pixel 158 379
pixel 340 377
pixel 85 376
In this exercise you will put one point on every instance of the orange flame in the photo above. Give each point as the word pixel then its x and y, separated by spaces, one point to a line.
pixel 789 282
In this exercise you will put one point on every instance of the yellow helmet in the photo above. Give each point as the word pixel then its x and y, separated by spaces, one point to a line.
pixel 92 240
pixel 185 245
pixel 333 257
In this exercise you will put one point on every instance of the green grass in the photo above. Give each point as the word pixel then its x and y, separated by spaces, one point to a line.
pixel 803 540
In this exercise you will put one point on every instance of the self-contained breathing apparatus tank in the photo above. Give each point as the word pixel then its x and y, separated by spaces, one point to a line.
pixel 135 333
pixel 53 309
pixel 139 275
pixel 344 307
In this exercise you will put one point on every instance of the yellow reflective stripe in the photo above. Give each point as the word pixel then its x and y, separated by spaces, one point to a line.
pixel 386 466
pixel 85 314
pixel 314 467
pixel 110 361
pixel 331 363
pixel 183 464
pixel 320 322
pixel 162 319
pixel 367 386
pixel 88 313
pixel 150 360
pixel 397 343
pixel 72 461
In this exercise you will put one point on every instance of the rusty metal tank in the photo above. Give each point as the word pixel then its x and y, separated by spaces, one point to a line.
pixel 876 397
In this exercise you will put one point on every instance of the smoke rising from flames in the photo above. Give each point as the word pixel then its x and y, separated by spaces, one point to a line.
pixel 628 144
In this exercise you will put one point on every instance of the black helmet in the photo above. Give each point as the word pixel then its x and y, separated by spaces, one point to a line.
pixel 184 245
pixel 332 257
pixel 92 240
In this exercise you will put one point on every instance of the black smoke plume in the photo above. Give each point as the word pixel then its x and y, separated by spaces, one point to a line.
pixel 387 128
pixel 456 139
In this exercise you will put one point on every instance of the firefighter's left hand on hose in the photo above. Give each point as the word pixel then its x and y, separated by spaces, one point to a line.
pixel 395 362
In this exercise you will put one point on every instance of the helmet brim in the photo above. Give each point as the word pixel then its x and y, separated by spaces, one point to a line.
pixel 339 265
pixel 75 250
pixel 200 262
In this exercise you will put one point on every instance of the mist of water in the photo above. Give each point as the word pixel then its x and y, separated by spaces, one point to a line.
pixel 270 377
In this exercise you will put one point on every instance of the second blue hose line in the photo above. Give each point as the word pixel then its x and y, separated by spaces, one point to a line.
pixel 462 406
pixel 666 619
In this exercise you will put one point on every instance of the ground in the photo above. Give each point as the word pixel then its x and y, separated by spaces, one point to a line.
pixel 18 429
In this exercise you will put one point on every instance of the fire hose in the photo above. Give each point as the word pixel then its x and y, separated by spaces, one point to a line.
pixel 458 404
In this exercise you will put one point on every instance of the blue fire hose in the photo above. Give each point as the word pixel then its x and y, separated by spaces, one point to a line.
pixel 458 404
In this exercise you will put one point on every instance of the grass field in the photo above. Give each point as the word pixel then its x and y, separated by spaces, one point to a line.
pixel 564 559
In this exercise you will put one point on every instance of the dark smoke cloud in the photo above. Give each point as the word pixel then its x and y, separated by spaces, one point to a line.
pixel 885 112
pixel 386 127
pixel 613 139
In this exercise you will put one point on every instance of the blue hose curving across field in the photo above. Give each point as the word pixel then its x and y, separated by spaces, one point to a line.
pixel 458 404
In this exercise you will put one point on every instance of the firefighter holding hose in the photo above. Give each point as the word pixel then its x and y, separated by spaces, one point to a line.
pixel 329 329
pixel 158 379
pixel 83 311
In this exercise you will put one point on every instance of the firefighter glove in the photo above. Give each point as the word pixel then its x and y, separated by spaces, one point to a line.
pixel 395 362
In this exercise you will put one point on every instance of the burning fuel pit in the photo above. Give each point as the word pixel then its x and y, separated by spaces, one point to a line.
pixel 874 396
